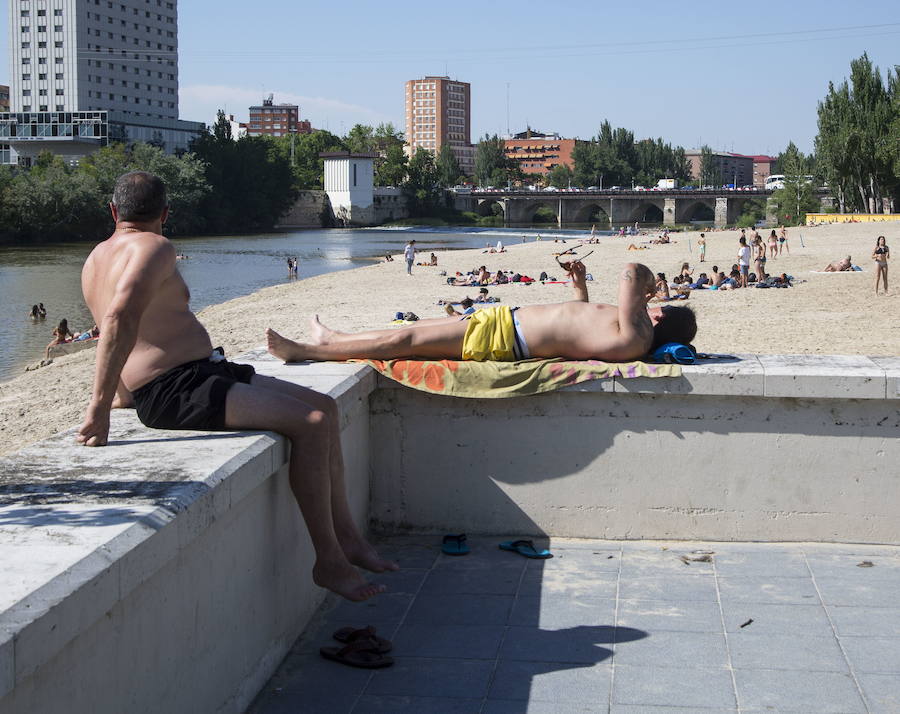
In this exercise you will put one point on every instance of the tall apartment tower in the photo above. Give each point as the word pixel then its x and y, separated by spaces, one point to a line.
pixel 76 62
pixel 438 112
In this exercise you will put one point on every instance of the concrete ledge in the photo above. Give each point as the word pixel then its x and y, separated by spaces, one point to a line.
pixel 110 553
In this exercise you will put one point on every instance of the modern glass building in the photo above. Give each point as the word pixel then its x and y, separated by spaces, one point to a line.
pixel 78 64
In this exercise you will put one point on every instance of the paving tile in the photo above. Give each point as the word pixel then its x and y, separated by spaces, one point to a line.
pixel 694 588
pixel 505 706
pixel 387 607
pixel 552 682
pixel 793 691
pixel 879 655
pixel 410 555
pixel 881 691
pixel 642 563
pixel 785 652
pixel 681 615
pixel 674 649
pixel 800 591
pixel 459 641
pixel 582 560
pixel 408 580
pixel 420 677
pixel 847 566
pixel 416 705
pixel 281 702
pixel 588 645
pixel 638 709
pixel 865 621
pixel 776 619
pixel 460 610
pixel 874 593
pixel 770 563
pixel 673 686
pixel 562 584
pixel 485 582
pixel 554 613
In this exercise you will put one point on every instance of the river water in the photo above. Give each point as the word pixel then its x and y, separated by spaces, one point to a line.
pixel 217 269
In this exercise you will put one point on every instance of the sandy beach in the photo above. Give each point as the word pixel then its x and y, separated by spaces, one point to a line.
pixel 823 314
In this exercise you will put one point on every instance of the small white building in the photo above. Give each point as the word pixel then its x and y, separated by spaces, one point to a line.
pixel 350 185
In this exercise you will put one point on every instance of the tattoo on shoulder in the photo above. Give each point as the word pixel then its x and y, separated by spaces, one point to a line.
pixel 628 275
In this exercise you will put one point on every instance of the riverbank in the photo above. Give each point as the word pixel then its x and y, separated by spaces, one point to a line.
pixel 826 314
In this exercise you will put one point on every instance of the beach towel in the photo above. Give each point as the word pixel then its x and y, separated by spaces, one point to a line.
pixel 496 380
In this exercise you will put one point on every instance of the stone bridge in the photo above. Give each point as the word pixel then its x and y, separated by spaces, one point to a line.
pixel 616 207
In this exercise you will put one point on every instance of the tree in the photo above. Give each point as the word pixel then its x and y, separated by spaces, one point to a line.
pixel 222 128
pixel 560 176
pixel 422 186
pixel 448 170
pixel 360 139
pixel 857 144
pixel 492 167
pixel 797 198
pixel 710 170
pixel 391 170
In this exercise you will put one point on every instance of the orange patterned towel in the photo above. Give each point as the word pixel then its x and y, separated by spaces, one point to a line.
pixel 495 380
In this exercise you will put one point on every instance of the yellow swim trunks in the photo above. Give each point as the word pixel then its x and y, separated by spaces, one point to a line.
pixel 490 336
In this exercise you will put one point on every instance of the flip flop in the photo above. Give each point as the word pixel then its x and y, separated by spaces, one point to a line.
pixel 357 654
pixel 455 545
pixel 525 548
pixel 349 635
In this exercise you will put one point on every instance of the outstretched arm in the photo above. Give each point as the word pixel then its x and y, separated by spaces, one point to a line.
pixel 149 264
pixel 636 287
pixel 577 272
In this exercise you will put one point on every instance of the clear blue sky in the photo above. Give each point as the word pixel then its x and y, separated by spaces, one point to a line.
pixel 738 76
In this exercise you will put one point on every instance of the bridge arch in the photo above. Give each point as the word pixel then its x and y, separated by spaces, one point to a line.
pixel 591 213
pixel 647 211
pixel 698 210
pixel 491 207
pixel 532 207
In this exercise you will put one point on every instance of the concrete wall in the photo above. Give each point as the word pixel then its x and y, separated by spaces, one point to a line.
pixel 168 572
pixel 311 210
pixel 764 449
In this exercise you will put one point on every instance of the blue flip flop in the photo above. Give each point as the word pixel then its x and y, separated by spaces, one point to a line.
pixel 455 545
pixel 525 548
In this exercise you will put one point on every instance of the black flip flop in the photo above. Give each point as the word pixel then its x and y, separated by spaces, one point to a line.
pixel 357 654
pixel 349 635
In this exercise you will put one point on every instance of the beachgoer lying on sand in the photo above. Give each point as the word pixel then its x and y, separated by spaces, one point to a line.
pixel 573 330
pixel 467 305
pixel 482 295
pixel 156 353
pixel 838 266
pixel 61 335
pixel 388 258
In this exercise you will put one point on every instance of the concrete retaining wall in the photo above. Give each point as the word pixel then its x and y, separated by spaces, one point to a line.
pixel 769 448
pixel 168 572
pixel 311 210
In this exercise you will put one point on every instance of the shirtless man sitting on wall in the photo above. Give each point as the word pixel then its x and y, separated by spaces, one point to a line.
pixel 156 355
pixel 574 330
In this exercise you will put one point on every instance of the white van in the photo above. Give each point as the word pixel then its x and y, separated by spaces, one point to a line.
pixel 774 182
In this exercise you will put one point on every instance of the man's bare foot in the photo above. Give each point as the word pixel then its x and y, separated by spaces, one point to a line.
pixel 343 579
pixel 318 333
pixel 363 555
pixel 283 348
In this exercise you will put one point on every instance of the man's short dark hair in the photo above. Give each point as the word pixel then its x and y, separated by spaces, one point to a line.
pixel 139 196
pixel 678 324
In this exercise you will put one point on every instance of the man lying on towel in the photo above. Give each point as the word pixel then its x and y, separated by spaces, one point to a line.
pixel 573 330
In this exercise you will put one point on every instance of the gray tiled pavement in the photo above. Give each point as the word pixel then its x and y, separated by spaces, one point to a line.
pixel 619 627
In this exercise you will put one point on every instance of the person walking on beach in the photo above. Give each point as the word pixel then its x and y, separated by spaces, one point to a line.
pixel 573 330
pixel 156 355
pixel 701 243
pixel 782 241
pixel 880 255
pixel 409 253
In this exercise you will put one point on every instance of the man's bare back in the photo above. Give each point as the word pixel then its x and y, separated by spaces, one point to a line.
pixel 168 333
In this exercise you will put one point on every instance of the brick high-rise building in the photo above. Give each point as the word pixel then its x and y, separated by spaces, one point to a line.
pixel 537 153
pixel 438 112
pixel 272 119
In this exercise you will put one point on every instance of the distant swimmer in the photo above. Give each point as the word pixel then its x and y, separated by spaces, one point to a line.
pixel 35 313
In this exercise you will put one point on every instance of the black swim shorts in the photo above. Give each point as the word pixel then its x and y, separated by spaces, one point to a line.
pixel 190 396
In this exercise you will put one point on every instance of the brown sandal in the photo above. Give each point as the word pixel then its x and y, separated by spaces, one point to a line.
pixel 349 635
pixel 357 654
